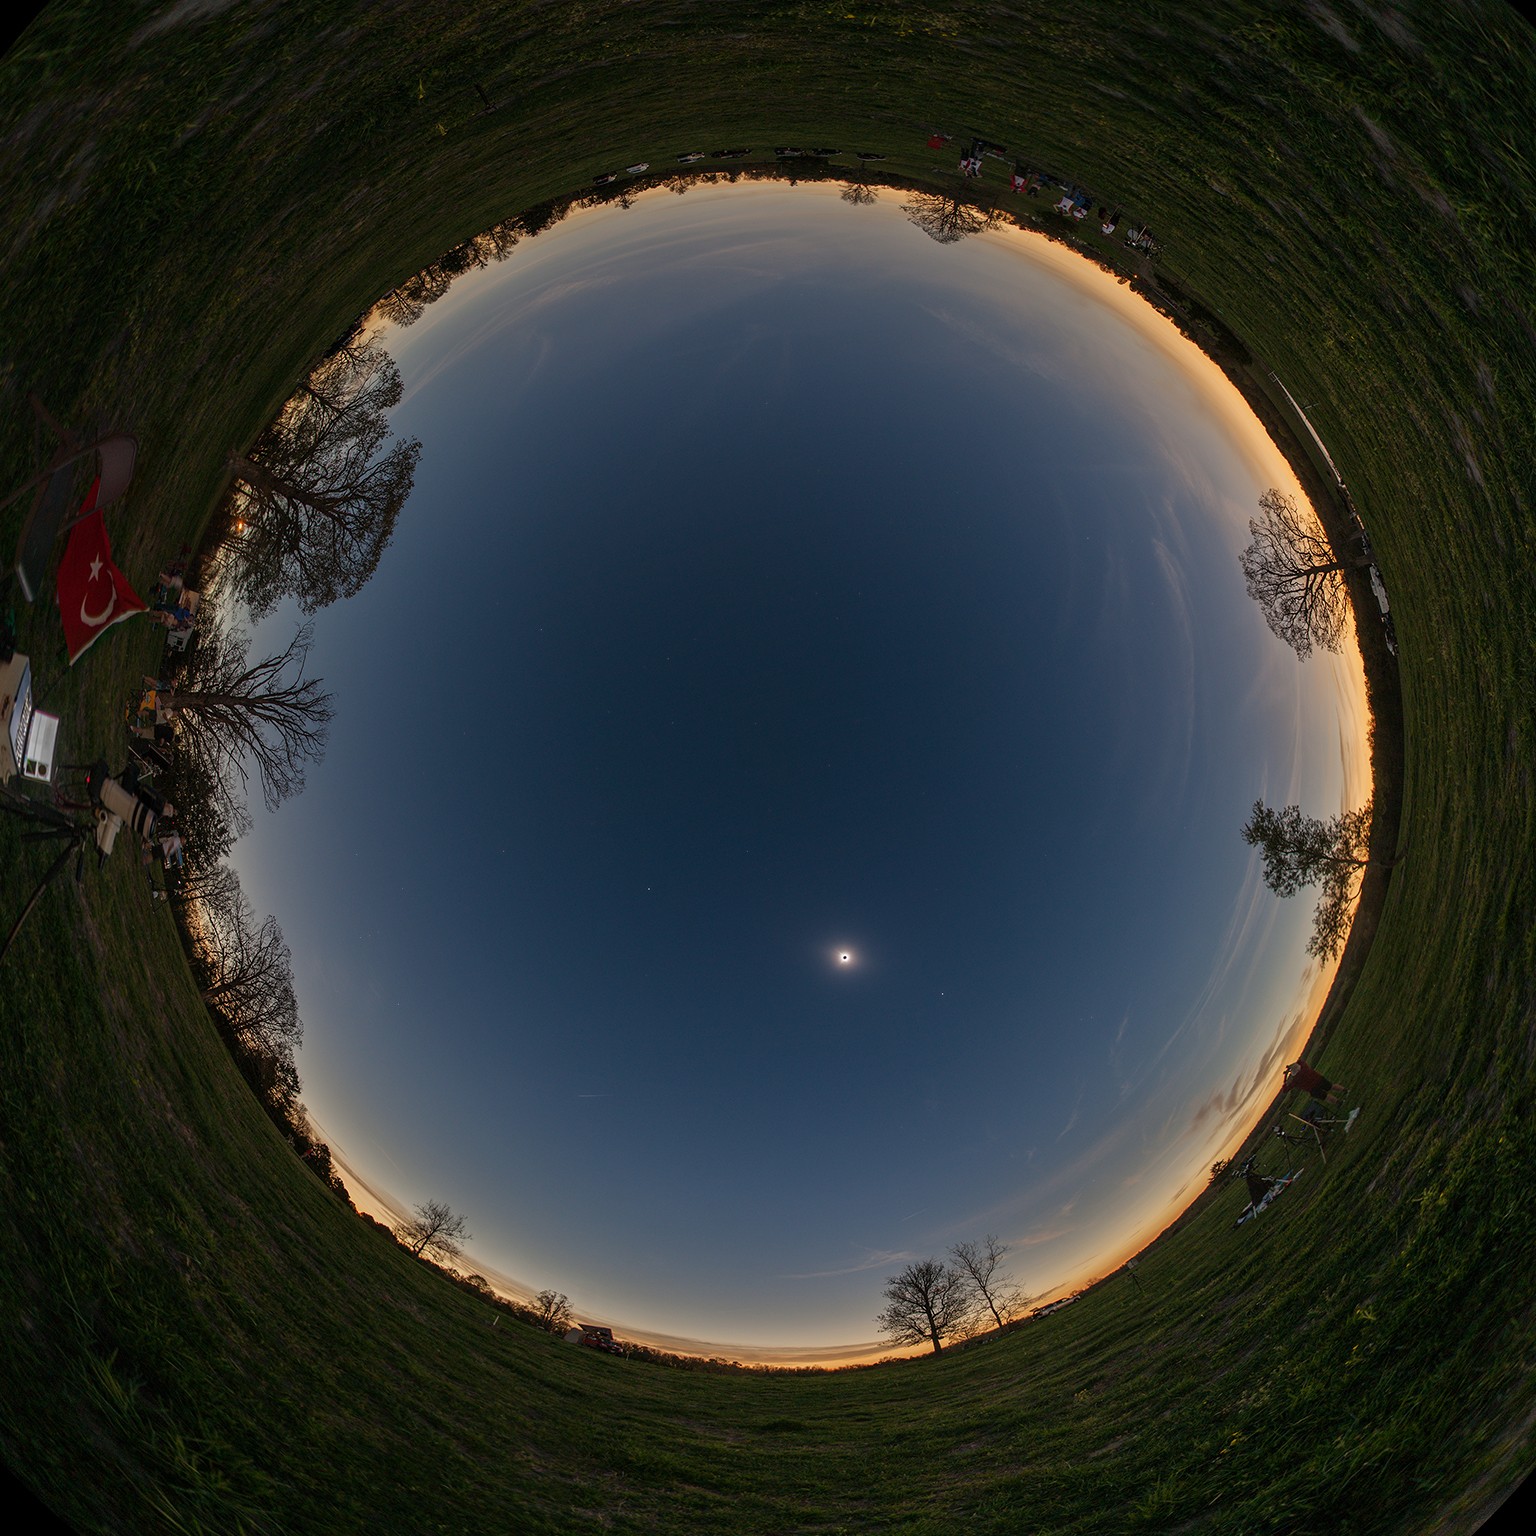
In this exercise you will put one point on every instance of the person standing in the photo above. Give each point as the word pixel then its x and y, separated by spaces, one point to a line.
pixel 1309 1080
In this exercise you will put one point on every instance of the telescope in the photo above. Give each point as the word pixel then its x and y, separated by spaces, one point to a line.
pixel 120 800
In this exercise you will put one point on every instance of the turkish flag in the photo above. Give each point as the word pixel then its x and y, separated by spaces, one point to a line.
pixel 93 594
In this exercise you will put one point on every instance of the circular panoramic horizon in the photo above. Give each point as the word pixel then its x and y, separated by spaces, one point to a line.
pixel 772 569
pixel 780 833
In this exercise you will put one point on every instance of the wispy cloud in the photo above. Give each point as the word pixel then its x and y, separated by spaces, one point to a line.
pixel 1073 1117
pixel 1019 353
pixel 874 1259
pixel 1241 1095
pixel 1034 1239
pixel 1253 913
pixel 1178 705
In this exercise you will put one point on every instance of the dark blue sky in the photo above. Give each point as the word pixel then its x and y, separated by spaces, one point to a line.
pixel 777 582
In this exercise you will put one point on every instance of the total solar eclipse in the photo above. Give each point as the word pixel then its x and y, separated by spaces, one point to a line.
pixel 840 429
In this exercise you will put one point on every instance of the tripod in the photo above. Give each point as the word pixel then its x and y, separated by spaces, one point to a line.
pixel 55 825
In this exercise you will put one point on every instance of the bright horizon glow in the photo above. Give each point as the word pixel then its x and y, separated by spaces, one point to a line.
pixel 1085 1194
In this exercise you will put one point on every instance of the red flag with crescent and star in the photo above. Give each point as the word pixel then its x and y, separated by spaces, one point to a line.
pixel 93 594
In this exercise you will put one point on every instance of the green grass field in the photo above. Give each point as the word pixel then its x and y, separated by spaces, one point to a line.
pixel 198 1337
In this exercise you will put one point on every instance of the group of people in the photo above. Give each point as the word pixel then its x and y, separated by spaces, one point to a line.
pixel 1077 205
pixel 148 717
pixel 168 602
pixel 970 164
pixel 1074 202
pixel 149 720
pixel 172 853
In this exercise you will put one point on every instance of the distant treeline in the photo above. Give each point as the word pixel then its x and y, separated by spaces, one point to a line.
pixel 244 973
pixel 405 304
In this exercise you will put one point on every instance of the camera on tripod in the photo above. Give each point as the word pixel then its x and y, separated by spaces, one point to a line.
pixel 121 800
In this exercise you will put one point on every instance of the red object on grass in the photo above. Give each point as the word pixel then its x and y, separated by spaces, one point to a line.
pixel 93 594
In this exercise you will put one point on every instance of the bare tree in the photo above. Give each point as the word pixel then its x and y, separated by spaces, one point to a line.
pixel 858 194
pixel 405 305
pixel 1295 577
pixel 236 714
pixel 319 491
pixel 1302 850
pixel 978 1265
pixel 245 968
pixel 946 219
pixel 435 1229
pixel 928 1302
pixel 553 1309
pixel 273 1078
pixel 245 973
pixel 202 881
pixel 333 383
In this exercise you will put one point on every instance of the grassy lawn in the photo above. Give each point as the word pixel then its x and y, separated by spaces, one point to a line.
pixel 199 1337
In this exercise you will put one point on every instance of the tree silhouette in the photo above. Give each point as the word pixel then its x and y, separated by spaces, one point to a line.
pixel 946 219
pixel 245 974
pixel 928 1302
pixel 1295 577
pixel 858 194
pixel 553 1310
pixel 211 815
pixel 1302 850
pixel 319 492
pixel 235 714
pixel 244 968
pixel 405 304
pixel 435 1229
pixel 978 1263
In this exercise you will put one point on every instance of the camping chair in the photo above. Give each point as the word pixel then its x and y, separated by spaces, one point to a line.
pixel 115 458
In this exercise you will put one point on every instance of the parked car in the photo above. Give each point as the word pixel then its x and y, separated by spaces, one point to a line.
pixel 596 1337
